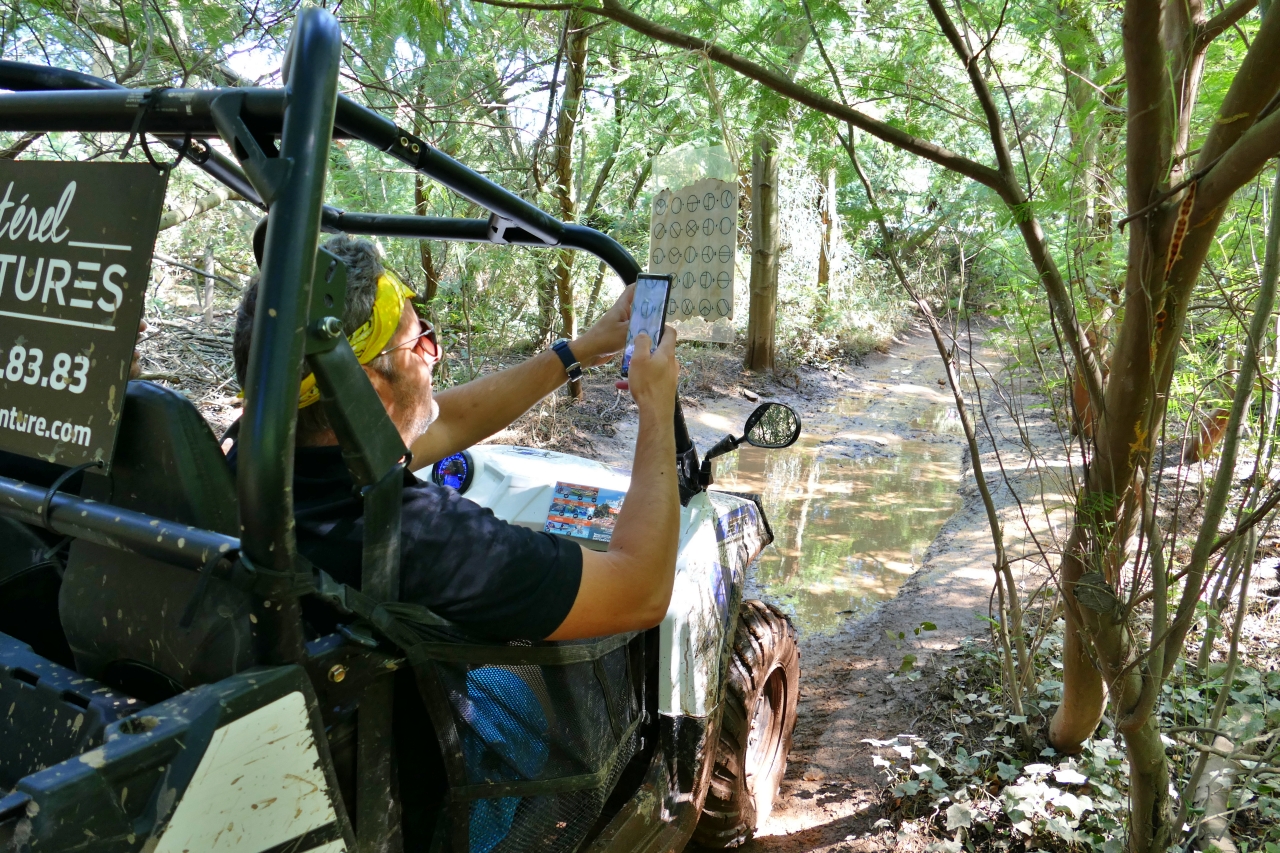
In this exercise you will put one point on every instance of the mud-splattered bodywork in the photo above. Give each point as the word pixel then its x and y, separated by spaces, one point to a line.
pixel 242 765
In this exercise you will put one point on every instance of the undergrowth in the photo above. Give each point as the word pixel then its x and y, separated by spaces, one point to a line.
pixel 981 779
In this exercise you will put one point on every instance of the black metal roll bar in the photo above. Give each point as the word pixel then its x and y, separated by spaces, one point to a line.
pixel 104 524
pixel 304 116
pixel 514 220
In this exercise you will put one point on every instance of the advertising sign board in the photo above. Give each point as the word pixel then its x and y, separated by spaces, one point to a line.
pixel 75 256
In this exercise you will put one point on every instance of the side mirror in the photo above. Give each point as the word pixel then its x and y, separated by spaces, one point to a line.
pixel 772 425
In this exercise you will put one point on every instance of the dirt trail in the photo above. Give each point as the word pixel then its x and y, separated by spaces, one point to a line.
pixel 893 405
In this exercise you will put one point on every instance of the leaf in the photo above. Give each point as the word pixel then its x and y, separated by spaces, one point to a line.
pixel 929 626
pixel 1017 719
pixel 908 788
pixel 1037 769
pixel 1069 776
pixel 1007 772
pixel 959 815
pixel 908 662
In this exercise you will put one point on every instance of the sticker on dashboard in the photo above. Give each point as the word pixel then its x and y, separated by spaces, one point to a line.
pixel 584 512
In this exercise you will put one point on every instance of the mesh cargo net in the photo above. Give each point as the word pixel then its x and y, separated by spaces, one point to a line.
pixel 534 737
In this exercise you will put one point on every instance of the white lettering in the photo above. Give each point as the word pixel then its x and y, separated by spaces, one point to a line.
pixel 39 227
pixel 5 260
pixel 64 204
pixel 5 205
pixel 112 288
pixel 16 226
pixel 27 296
pixel 56 286
pixel 45 222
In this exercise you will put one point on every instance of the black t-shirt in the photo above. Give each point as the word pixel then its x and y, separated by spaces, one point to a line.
pixel 456 557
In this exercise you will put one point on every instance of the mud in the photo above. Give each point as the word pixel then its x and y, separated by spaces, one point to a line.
pixel 881 530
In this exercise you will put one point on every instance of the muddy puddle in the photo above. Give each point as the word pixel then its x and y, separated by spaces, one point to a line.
pixel 852 510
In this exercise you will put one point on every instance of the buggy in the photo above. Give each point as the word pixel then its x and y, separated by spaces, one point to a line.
pixel 163 685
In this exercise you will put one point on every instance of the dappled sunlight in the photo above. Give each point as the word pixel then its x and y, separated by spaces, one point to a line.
pixel 714 421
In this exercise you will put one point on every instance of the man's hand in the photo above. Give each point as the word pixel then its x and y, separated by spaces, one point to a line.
pixel 628 588
pixel 653 376
pixel 607 335
pixel 135 366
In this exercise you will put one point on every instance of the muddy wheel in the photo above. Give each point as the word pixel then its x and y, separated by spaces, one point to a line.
pixel 755 732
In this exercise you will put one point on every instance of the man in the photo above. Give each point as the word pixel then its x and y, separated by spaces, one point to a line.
pixel 497 579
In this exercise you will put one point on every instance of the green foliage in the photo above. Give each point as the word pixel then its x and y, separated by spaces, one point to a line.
pixel 977 784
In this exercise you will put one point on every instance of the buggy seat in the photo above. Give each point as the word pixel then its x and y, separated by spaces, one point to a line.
pixel 120 610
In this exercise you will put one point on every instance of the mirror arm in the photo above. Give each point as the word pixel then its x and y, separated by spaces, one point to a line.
pixel 686 458
pixel 728 444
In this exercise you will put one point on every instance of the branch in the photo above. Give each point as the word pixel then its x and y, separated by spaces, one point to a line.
pixel 1237 166
pixel 1219 22
pixel 184 212
pixel 24 142
pixel 1255 84
pixel 165 259
pixel 1217 499
pixel 1248 521
pixel 1149 101
pixel 980 89
pixel 615 11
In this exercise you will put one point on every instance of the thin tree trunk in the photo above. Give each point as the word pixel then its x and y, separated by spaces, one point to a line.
pixel 208 285
pixel 762 314
pixel 566 122
pixel 828 216
pixel 430 273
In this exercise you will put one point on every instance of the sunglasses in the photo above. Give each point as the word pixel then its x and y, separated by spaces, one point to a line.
pixel 424 343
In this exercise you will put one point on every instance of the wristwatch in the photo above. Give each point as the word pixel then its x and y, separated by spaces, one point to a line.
pixel 570 361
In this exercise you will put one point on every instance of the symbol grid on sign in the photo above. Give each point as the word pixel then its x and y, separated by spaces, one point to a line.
pixel 692 237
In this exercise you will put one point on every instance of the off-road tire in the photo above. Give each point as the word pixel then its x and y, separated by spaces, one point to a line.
pixel 755 730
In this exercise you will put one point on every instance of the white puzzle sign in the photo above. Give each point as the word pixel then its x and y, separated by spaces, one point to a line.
pixel 693 236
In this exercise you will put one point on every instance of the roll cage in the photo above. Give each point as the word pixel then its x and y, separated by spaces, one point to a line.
pixel 280 138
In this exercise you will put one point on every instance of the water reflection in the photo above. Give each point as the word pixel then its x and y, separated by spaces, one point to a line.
pixel 848 530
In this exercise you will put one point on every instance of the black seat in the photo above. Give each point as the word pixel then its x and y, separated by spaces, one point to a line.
pixel 121 611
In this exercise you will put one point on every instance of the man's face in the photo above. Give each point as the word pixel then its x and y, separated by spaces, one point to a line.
pixel 408 395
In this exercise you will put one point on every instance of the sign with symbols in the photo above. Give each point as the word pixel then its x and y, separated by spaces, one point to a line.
pixel 693 236
pixel 75 257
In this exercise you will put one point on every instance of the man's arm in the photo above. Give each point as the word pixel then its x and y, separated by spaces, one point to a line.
pixel 628 587
pixel 472 412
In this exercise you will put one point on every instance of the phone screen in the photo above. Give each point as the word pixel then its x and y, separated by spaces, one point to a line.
pixel 648 310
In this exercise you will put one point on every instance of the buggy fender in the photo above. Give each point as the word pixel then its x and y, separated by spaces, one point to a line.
pixel 721 536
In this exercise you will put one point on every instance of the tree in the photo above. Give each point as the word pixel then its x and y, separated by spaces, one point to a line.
pixel 1176 195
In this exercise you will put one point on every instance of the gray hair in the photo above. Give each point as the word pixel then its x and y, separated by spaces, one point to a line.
pixel 364 267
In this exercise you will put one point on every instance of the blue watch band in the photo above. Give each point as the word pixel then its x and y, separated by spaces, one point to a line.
pixel 567 358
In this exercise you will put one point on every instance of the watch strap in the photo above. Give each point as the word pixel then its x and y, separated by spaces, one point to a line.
pixel 568 359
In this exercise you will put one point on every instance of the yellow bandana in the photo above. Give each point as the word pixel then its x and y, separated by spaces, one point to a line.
pixel 370 339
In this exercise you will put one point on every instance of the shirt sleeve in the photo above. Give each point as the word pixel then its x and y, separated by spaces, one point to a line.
pixel 474 569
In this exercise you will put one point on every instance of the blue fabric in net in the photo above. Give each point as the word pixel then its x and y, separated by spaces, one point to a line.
pixel 504 740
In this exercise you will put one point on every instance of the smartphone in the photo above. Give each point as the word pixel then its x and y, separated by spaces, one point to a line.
pixel 648 310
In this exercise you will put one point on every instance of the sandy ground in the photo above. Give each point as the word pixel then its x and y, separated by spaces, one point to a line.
pixel 830 798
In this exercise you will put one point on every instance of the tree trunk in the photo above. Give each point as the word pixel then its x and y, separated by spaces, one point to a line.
pixel 827 213
pixel 430 272
pixel 762 315
pixel 208 285
pixel 566 122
